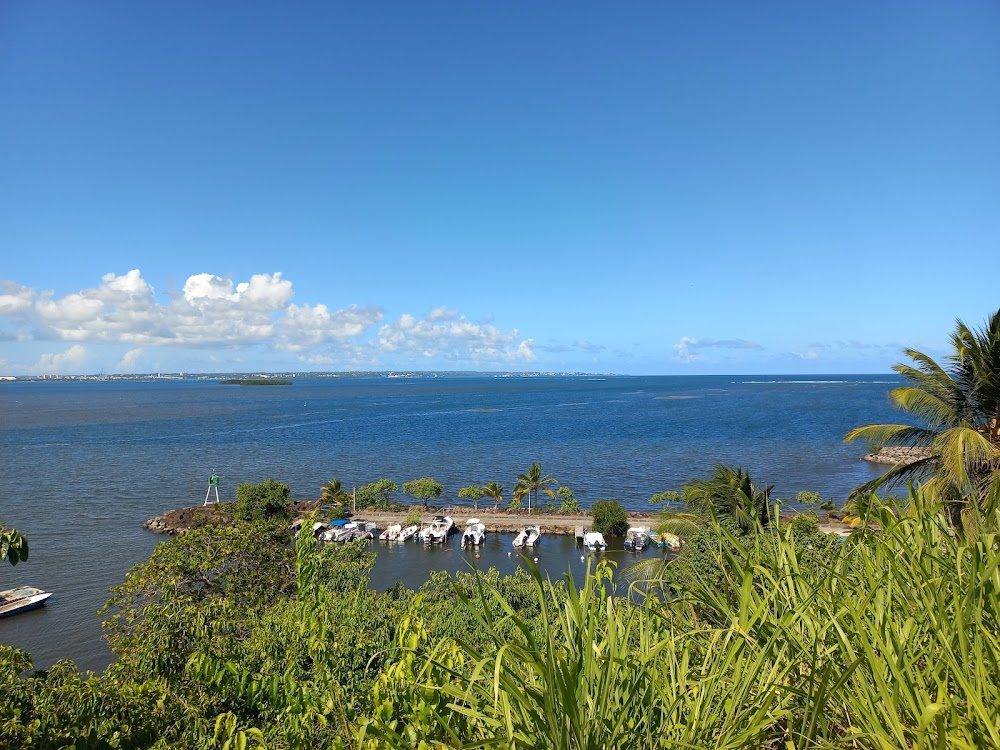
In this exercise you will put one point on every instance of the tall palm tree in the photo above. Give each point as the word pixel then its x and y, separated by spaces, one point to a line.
pixel 959 404
pixel 531 482
pixel 333 492
pixel 730 492
pixel 493 490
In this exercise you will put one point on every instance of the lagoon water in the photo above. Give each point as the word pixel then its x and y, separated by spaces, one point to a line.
pixel 85 463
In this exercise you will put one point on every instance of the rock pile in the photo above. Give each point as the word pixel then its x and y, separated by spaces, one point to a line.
pixel 893 454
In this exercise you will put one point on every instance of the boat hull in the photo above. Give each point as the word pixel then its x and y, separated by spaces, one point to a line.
pixel 16 601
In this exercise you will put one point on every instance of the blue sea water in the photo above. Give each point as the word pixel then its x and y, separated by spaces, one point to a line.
pixel 85 463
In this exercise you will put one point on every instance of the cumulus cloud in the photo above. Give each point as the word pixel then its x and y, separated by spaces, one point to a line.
pixel 15 299
pixel 442 334
pixel 70 360
pixel 687 348
pixel 129 360
pixel 308 326
pixel 806 355
pixel 216 311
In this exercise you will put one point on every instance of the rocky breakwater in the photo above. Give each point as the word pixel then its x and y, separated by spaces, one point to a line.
pixel 182 520
pixel 893 454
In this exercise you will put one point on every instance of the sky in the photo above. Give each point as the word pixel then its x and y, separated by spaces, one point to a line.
pixel 647 188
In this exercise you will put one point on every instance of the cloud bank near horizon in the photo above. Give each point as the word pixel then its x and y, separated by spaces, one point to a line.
pixel 211 312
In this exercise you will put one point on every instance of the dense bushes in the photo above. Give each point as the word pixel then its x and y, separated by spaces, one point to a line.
pixel 264 501
pixel 610 517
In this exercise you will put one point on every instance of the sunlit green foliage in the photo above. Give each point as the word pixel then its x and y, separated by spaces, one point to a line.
pixel 776 637
pixel 264 501
pixel 959 407
pixel 13 546
pixel 609 517
pixel 376 494
pixel 424 489
pixel 567 500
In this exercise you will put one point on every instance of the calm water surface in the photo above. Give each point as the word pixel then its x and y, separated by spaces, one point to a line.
pixel 86 463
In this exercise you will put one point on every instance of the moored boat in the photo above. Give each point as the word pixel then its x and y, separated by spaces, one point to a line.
pixel 636 538
pixel 527 537
pixel 665 541
pixel 391 534
pixel 438 531
pixel 474 532
pixel 594 541
pixel 407 533
pixel 21 599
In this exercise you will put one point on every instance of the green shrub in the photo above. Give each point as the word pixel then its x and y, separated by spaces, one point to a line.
pixel 567 500
pixel 264 501
pixel 610 518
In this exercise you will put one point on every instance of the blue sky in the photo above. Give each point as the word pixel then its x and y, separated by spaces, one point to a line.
pixel 657 188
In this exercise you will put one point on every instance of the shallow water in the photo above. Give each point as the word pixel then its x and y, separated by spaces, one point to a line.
pixel 86 463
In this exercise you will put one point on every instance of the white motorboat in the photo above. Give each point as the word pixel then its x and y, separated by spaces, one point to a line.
pixel 391 534
pixel 438 531
pixel 475 530
pixel 408 532
pixel 528 537
pixel 594 541
pixel 21 599
pixel 636 538
pixel 333 530
pixel 367 528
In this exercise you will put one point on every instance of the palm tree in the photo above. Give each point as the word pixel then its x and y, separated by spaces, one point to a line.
pixel 959 404
pixel 493 490
pixel 333 492
pixel 730 492
pixel 531 482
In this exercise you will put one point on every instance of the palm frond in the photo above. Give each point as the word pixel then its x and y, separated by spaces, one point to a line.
pixel 964 452
pixel 892 434
pixel 896 475
pixel 928 407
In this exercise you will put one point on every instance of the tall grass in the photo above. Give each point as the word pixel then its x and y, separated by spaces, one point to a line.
pixel 892 644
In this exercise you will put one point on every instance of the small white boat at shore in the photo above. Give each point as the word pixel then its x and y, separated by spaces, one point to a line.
pixel 594 541
pixel 438 531
pixel 474 532
pixel 407 533
pixel 528 537
pixel 391 534
pixel 21 599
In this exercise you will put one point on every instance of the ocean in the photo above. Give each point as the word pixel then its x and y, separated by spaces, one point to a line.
pixel 85 463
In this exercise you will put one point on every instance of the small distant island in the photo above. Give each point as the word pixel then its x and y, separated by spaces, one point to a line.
pixel 255 381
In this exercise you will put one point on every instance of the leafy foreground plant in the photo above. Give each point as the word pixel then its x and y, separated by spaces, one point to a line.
pixel 893 644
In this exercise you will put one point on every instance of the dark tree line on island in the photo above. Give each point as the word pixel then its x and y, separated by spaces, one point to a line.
pixel 759 633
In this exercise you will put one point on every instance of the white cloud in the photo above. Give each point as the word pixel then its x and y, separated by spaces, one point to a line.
pixel 687 348
pixel 129 360
pixel 447 335
pixel 308 326
pixel 806 355
pixel 16 299
pixel 68 361
pixel 215 311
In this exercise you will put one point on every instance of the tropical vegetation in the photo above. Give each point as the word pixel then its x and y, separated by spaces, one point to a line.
pixel 958 406
pixel 761 637
pixel 13 545
pixel 609 517
pixel 531 482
